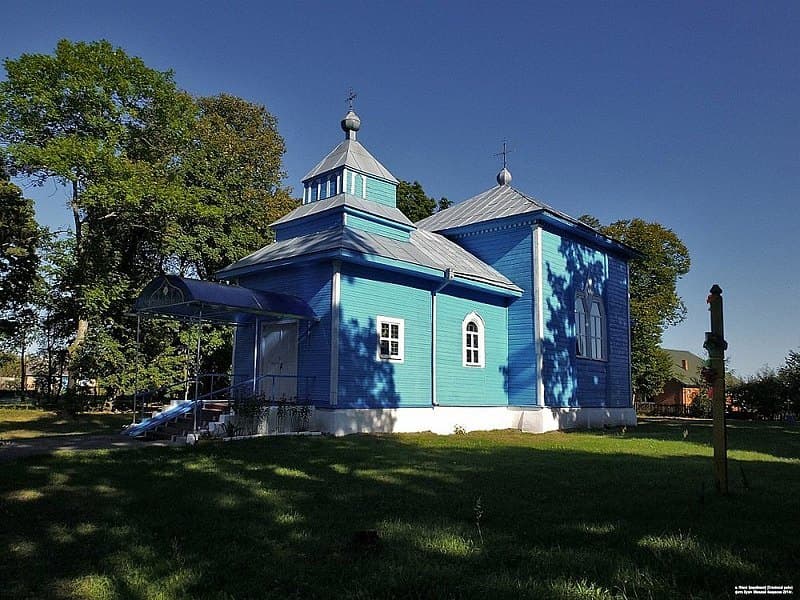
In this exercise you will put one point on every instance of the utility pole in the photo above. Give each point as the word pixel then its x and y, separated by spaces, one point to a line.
pixel 715 375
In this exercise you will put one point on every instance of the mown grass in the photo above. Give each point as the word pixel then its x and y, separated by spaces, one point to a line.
pixel 564 515
pixel 26 424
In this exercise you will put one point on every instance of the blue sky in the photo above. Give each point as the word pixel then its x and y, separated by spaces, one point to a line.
pixel 684 113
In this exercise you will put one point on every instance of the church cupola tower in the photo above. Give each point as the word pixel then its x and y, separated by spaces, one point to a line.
pixel 350 169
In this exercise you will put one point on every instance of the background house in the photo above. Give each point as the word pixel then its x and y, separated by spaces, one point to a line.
pixel 683 386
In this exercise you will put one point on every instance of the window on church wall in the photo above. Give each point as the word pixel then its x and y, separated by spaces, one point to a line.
pixel 473 341
pixel 590 324
pixel 580 327
pixel 596 330
pixel 390 338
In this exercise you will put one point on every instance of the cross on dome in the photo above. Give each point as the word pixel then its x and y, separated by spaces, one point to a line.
pixel 504 176
pixel 351 123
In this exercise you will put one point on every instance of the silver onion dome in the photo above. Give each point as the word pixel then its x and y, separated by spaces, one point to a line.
pixel 504 177
pixel 350 124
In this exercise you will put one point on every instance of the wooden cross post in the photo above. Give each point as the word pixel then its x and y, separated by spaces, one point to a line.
pixel 716 345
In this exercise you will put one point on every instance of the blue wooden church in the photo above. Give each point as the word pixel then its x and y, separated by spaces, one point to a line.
pixel 498 312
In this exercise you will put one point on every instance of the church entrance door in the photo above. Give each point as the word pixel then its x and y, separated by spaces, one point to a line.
pixel 277 361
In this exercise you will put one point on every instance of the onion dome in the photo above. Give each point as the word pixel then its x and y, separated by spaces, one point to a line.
pixel 504 177
pixel 350 124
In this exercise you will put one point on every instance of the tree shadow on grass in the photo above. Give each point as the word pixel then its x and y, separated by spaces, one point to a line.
pixel 773 438
pixel 51 424
pixel 276 518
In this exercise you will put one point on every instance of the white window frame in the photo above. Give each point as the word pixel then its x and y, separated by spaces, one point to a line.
pixel 468 337
pixel 399 357
pixel 591 334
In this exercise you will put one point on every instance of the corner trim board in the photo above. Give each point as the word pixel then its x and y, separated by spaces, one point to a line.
pixel 538 311
pixel 335 299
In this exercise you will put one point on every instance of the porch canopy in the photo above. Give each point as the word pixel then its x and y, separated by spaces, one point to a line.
pixel 195 300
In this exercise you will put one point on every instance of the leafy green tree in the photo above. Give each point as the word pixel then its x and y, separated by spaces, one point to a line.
pixel 789 375
pixel 414 203
pixel 591 221
pixel 108 128
pixel 232 168
pixel 655 304
pixel 18 331
pixel 9 365
pixel 762 393
pixel 158 182
pixel 20 237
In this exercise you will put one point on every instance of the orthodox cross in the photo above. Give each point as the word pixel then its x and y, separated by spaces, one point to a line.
pixel 351 95
pixel 504 153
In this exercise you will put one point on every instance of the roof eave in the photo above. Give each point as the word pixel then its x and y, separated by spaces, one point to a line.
pixel 431 273
pixel 288 218
pixel 588 233
pixel 548 215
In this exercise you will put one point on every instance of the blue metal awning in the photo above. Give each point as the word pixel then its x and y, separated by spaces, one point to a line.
pixel 192 299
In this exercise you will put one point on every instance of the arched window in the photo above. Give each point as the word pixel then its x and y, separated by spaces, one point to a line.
pixel 474 350
pixel 590 324
pixel 580 326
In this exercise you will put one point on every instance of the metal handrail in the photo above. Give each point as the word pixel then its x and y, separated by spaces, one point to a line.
pixel 212 396
pixel 163 389
pixel 250 384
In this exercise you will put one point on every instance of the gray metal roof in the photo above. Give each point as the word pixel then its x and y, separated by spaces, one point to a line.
pixel 424 249
pixel 504 201
pixel 381 210
pixel 351 154
pixel 495 203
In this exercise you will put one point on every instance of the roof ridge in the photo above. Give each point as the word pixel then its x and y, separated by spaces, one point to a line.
pixel 493 203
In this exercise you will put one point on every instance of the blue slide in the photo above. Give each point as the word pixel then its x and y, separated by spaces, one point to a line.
pixel 161 418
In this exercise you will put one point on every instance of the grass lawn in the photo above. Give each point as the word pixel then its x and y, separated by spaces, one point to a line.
pixel 21 423
pixel 561 515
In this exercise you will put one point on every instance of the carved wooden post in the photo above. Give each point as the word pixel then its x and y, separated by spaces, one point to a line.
pixel 716 345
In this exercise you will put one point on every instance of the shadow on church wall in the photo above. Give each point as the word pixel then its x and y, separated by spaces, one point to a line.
pixel 560 371
pixel 364 381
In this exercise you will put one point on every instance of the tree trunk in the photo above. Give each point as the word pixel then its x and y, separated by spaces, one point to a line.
pixel 72 350
pixel 60 385
pixel 49 392
pixel 76 217
pixel 83 324
pixel 22 369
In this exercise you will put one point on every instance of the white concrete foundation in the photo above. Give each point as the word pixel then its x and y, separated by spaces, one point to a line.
pixel 546 418
pixel 449 419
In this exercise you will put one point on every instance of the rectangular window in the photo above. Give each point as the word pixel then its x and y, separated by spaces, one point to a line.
pixel 390 338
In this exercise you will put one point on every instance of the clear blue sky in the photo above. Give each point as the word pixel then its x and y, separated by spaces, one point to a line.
pixel 685 113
